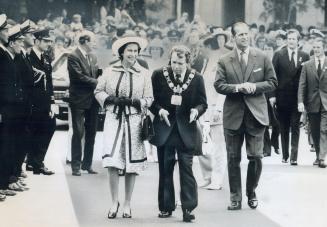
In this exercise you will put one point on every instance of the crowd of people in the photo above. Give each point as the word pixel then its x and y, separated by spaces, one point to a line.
pixel 209 84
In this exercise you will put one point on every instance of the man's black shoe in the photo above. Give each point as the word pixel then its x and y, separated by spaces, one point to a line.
pixel 235 205
pixel 322 164
pixel 165 214
pixel 43 170
pixel 29 167
pixel 76 173
pixel 90 171
pixel 293 163
pixel 253 202
pixel 187 216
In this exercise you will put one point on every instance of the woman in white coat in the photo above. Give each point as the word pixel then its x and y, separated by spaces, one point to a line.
pixel 125 91
pixel 213 162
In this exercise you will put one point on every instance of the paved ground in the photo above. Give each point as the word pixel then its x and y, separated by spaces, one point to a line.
pixel 289 197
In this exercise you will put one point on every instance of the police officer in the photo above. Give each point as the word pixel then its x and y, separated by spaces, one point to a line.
pixel 12 103
pixel 42 123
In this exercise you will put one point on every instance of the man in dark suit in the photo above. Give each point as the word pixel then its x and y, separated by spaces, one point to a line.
pixel 42 122
pixel 288 64
pixel 179 100
pixel 83 74
pixel 13 109
pixel 244 76
pixel 312 96
pixel 26 76
pixel 7 105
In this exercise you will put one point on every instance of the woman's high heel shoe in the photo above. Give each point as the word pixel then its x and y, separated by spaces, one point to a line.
pixel 112 215
pixel 126 215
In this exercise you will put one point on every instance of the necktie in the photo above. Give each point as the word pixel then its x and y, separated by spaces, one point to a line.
pixel 178 79
pixel 292 59
pixel 42 58
pixel 243 62
pixel 88 60
pixel 319 68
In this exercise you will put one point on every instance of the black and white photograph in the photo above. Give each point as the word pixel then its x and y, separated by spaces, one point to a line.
pixel 163 113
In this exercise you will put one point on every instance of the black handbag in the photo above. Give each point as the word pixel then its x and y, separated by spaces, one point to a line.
pixel 147 130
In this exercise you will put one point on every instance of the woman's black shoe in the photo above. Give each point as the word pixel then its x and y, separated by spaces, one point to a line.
pixel 126 215
pixel 112 215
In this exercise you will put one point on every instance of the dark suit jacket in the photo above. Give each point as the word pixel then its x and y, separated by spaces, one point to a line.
pixel 42 94
pixel 288 78
pixel 10 84
pixel 200 63
pixel 193 97
pixel 312 89
pixel 83 79
pixel 259 71
pixel 26 75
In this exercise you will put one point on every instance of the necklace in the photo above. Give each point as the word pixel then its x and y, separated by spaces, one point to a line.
pixel 177 89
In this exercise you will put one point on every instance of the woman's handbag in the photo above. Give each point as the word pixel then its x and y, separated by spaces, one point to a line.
pixel 147 130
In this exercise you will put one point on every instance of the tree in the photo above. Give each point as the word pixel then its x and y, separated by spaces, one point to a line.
pixel 283 10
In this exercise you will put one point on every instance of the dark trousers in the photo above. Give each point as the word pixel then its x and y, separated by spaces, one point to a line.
pixel 83 121
pixel 23 136
pixel 42 128
pixel 166 159
pixel 253 132
pixel 271 140
pixel 289 119
pixel 318 128
pixel 13 139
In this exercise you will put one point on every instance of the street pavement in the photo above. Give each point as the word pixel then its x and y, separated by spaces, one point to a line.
pixel 288 196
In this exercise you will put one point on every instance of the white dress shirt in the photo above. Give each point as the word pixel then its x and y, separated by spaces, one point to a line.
pixel 322 61
pixel 182 75
pixel 290 55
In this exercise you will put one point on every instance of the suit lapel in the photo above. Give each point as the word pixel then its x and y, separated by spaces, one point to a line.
pixel 84 61
pixel 37 60
pixel 237 67
pixel 299 59
pixel 313 69
pixel 324 66
pixel 250 65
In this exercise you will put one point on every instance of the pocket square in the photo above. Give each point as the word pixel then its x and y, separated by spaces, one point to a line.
pixel 257 70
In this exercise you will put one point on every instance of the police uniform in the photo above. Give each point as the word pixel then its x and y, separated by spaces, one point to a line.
pixel 12 102
pixel 42 126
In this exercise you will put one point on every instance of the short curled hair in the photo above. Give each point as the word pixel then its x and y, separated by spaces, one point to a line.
pixel 180 51
pixel 123 47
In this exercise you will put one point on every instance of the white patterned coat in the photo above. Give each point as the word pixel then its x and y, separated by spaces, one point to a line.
pixel 123 148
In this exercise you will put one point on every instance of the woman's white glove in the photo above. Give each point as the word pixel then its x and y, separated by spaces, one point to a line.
pixel 205 130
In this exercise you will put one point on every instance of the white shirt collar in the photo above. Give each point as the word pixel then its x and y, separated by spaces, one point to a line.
pixel 322 60
pixel 182 75
pixel 24 51
pixel 290 52
pixel 246 55
pixel 37 52
pixel 290 55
